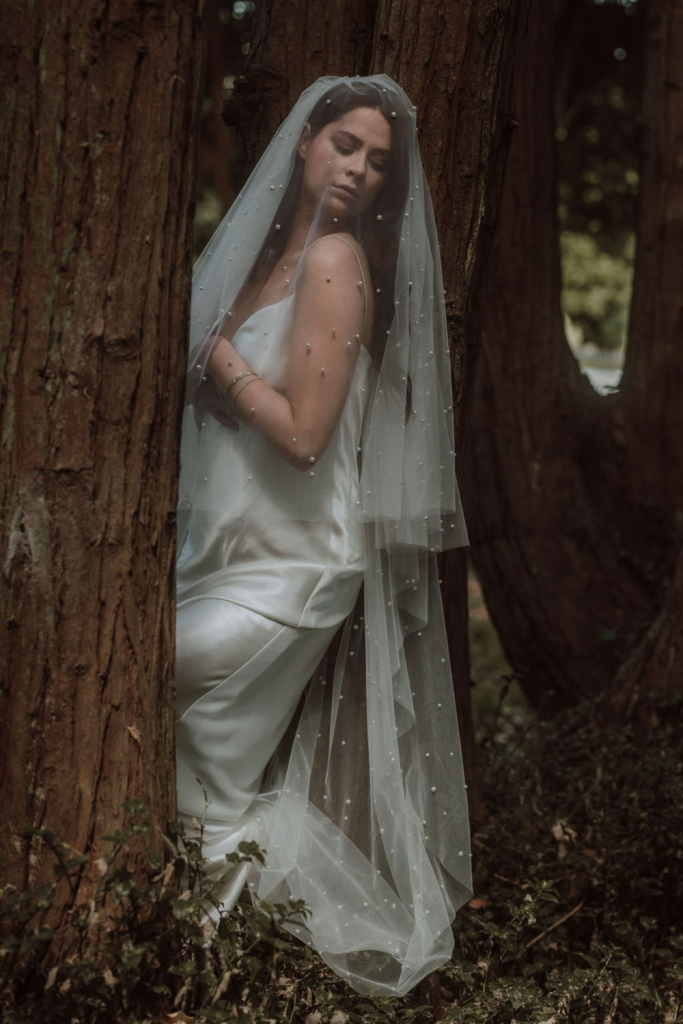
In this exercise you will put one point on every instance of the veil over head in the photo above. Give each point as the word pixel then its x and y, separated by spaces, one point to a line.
pixel 363 809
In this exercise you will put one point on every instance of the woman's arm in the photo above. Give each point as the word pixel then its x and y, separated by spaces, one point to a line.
pixel 325 340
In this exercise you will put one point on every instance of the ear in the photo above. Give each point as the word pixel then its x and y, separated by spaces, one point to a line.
pixel 304 140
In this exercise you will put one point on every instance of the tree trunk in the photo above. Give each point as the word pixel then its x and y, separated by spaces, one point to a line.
pixel 457 64
pixel 575 498
pixel 98 156
pixel 293 43
pixel 459 71
pixel 653 371
pixel 655 668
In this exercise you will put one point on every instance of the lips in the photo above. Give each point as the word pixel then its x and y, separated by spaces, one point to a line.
pixel 345 188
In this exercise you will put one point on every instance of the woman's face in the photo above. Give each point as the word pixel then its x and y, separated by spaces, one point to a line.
pixel 347 162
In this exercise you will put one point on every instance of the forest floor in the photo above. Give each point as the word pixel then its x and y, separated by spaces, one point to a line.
pixel 489 666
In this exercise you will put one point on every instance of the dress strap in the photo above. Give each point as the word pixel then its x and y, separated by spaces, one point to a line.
pixel 360 267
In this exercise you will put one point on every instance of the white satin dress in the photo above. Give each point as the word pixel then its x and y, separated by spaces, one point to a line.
pixel 271 565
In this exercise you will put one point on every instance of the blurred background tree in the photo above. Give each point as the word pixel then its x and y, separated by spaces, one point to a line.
pixel 575 498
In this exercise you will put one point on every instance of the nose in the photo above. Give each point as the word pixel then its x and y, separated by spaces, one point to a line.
pixel 356 164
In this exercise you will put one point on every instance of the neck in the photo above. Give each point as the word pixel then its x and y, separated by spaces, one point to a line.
pixel 301 232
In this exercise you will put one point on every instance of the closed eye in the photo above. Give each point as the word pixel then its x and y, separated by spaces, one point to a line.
pixel 346 151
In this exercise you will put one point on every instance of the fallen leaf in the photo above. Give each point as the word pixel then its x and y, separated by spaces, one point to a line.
pixel 478 902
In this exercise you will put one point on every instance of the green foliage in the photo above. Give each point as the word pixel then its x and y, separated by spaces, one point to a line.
pixel 598 101
pixel 138 944
pixel 576 917
pixel 596 289
pixel 208 215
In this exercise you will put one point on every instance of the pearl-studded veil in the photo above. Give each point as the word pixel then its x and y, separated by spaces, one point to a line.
pixel 363 809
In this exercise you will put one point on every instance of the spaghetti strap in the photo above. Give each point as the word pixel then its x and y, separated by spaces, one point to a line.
pixel 360 267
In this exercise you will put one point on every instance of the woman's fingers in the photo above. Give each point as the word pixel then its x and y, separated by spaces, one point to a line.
pixel 224 419
pixel 207 398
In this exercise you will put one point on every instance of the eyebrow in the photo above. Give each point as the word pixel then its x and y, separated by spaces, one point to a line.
pixel 376 149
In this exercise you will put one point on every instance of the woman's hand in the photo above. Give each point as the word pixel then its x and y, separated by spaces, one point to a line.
pixel 207 398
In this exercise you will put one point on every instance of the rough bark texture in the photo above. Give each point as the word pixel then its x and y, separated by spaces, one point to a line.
pixel 656 665
pixel 457 63
pixel 97 152
pixel 575 499
pixel 293 43
pixel 653 371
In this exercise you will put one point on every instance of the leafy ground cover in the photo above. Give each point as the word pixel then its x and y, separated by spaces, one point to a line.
pixel 576 916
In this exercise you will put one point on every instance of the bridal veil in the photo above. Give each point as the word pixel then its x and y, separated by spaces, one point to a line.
pixel 363 809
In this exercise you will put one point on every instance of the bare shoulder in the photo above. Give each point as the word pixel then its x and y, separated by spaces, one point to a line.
pixel 339 251
pixel 336 257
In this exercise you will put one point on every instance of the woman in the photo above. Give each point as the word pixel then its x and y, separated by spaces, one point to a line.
pixel 317 486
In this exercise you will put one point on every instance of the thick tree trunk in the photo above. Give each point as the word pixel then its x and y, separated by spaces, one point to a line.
pixel 457 63
pixel 574 498
pixel 293 43
pixel 655 668
pixel 97 151
pixel 653 372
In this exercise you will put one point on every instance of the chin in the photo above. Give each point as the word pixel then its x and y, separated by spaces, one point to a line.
pixel 340 210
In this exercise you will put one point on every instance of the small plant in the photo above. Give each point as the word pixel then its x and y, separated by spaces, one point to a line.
pixel 141 945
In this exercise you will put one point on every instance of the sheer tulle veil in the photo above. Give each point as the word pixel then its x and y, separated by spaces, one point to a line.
pixel 363 809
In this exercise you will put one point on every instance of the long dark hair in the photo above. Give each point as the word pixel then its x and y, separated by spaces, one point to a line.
pixel 379 237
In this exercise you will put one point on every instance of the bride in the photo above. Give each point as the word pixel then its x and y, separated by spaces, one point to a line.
pixel 317 487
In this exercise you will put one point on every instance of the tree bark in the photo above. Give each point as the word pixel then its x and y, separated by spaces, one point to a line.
pixel 574 497
pixel 655 668
pixel 98 158
pixel 653 371
pixel 457 63
pixel 293 43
